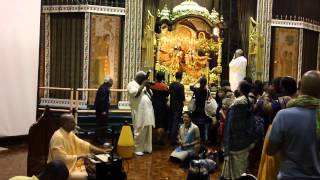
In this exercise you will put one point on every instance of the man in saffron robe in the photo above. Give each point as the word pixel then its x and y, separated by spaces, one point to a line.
pixel 66 146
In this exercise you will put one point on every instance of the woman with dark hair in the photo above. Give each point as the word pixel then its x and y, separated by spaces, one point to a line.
pixel 239 134
pixel 220 95
pixel 159 102
pixel 288 90
pixel 267 106
pixel 288 86
pixel 269 165
pixel 189 140
pixel 198 115
pixel 274 88
pixel 258 88
pixel 225 84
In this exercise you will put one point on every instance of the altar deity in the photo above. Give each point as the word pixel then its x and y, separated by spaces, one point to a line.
pixel 179 51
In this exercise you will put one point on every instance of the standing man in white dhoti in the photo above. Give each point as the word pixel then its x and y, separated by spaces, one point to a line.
pixel 142 112
pixel 237 69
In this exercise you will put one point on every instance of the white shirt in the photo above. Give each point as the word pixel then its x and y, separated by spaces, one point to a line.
pixel 237 71
pixel 141 106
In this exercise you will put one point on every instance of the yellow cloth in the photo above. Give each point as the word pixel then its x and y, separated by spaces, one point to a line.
pixel 269 165
pixel 66 147
pixel 24 178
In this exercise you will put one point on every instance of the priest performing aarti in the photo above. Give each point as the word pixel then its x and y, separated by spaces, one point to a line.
pixel 237 69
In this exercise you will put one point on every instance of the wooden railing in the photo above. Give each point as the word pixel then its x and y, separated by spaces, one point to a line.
pixel 75 106
pixel 71 91
pixel 88 90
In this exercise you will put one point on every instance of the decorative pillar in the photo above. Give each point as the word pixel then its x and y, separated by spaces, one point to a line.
pixel 132 41
pixel 47 53
pixel 219 61
pixel 318 57
pixel 157 64
pixel 86 55
pixel 300 53
pixel 264 17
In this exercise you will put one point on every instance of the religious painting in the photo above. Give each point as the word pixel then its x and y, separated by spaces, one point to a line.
pixel 286 52
pixel 104 53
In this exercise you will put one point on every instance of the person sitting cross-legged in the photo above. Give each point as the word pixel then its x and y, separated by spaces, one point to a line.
pixel 189 140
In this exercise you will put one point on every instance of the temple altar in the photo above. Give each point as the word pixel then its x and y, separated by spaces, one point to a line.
pixel 189 41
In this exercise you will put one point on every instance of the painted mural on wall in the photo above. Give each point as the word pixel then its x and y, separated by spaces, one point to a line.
pixel 286 52
pixel 104 52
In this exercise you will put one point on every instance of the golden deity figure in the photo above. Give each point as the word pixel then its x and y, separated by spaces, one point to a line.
pixel 148 40
pixel 182 50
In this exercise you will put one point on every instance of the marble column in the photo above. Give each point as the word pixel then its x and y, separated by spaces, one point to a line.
pixel 47 54
pixel 318 57
pixel 264 17
pixel 131 62
pixel 300 53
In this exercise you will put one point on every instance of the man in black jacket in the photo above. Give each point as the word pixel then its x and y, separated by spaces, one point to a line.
pixel 176 90
pixel 101 105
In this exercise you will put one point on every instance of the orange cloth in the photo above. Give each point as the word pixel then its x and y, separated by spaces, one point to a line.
pixel 159 86
pixel 269 165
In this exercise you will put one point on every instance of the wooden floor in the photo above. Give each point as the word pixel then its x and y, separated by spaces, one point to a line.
pixel 154 166
pixel 13 161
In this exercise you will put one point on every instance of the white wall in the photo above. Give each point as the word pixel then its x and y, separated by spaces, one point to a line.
pixel 19 51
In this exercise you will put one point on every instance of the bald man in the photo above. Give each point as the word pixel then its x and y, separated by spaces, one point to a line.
pixel 237 69
pixel 67 147
pixel 54 170
pixel 295 132
pixel 142 112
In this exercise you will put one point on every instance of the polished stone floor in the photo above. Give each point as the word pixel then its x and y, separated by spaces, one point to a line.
pixel 154 166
